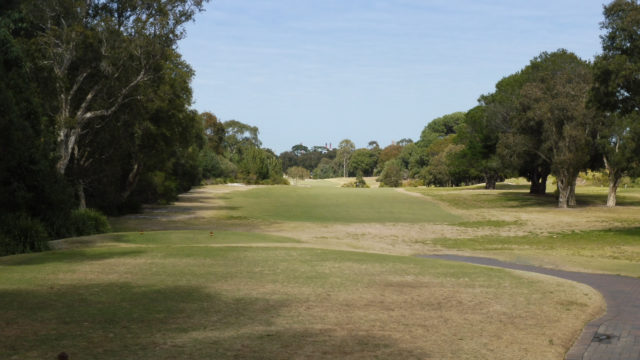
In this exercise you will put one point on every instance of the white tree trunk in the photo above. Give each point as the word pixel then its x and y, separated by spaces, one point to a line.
pixel 613 188
pixel 614 181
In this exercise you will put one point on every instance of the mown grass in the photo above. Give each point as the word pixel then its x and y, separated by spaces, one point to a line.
pixel 330 204
pixel 169 295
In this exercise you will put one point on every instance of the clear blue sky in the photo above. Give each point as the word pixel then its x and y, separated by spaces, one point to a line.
pixel 319 71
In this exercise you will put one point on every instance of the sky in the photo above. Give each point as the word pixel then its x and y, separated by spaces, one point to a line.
pixel 315 72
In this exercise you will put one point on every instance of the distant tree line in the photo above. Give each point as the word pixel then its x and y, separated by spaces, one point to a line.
pixel 559 115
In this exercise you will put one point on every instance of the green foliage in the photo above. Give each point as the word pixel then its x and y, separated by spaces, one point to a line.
pixel 88 222
pixel 214 132
pixel 326 169
pixel 363 161
pixel 390 152
pixel 440 128
pixel 343 157
pixel 616 92
pixel 20 233
pixel 392 174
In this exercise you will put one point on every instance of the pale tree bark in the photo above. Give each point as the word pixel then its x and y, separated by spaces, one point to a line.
pixel 564 188
pixel 72 126
pixel 614 180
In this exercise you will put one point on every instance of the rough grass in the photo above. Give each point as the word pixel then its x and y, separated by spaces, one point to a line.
pixel 614 251
pixel 158 299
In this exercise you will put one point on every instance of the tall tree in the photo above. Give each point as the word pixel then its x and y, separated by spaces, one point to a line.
pixel 555 95
pixel 345 150
pixel 363 161
pixel 440 128
pixel 520 146
pixel 480 139
pixel 98 52
pixel 616 92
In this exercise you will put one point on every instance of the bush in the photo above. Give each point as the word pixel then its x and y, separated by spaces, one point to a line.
pixel 20 233
pixel 413 183
pixel 88 222
pixel 391 174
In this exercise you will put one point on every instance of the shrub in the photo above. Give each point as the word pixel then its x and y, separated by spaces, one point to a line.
pixel 391 174
pixel 413 183
pixel 88 222
pixel 20 233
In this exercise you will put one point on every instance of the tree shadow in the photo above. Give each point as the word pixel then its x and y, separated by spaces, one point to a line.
pixel 68 256
pixel 121 320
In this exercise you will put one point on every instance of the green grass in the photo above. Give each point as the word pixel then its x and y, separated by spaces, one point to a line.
pixel 325 204
pixel 156 299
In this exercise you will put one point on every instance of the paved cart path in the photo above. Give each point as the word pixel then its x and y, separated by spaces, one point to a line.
pixel 615 335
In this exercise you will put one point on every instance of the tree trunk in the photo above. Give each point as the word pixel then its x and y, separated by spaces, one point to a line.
pixel 82 199
pixel 533 189
pixel 132 180
pixel 542 187
pixel 572 192
pixel 344 167
pixel 563 190
pixel 614 181
pixel 490 182
pixel 538 182
pixel 67 139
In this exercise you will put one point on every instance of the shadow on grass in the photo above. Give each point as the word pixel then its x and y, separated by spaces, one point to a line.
pixel 127 321
pixel 601 199
pixel 69 256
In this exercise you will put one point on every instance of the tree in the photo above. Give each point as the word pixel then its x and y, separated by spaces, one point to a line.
pixel 32 193
pixel 238 136
pixel 440 128
pixel 345 150
pixel 98 52
pixel 214 132
pixel 555 95
pixel 389 153
pixel 326 169
pixel 414 158
pixel 363 161
pixel 520 146
pixel 616 92
pixel 299 149
pixel 298 173
pixel 480 140
pixel 440 171
pixel 391 173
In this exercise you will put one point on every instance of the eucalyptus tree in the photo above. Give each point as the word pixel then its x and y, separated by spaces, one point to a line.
pixel 97 52
pixel 345 150
pixel 616 92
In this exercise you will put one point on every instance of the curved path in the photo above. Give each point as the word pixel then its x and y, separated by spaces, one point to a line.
pixel 615 335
